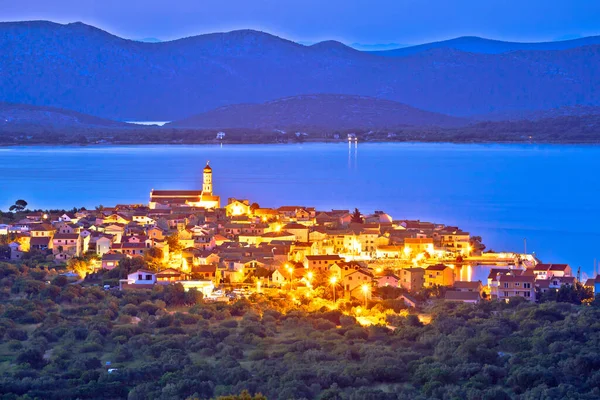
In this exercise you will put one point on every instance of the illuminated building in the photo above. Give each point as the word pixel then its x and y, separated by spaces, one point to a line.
pixel 194 198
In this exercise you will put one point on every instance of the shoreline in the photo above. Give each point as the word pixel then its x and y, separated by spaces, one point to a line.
pixel 338 142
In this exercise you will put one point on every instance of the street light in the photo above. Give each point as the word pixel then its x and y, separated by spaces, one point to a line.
pixel 291 271
pixel 333 281
pixel 365 290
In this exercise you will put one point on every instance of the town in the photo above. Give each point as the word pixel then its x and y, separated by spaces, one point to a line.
pixel 225 252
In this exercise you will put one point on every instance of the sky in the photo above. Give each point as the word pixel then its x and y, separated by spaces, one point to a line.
pixel 349 21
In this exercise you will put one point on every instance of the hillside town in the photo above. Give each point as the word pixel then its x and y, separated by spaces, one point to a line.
pixel 236 249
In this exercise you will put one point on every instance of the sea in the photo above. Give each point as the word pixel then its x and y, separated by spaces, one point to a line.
pixel 517 197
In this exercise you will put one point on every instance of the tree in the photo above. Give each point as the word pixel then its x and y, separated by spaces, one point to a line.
pixel 80 266
pixel 18 206
pixel 243 396
pixel 357 217
pixel 174 245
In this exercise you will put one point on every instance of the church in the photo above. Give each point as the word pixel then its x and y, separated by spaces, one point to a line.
pixel 194 198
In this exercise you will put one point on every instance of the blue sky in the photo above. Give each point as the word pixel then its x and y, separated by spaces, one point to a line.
pixel 362 21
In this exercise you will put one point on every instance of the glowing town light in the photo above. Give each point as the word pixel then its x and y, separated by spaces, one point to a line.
pixel 333 281
pixel 365 290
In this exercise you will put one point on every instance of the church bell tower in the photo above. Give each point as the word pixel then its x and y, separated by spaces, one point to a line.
pixel 207 180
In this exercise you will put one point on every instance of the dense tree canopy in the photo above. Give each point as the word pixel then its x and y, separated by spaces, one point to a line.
pixel 67 341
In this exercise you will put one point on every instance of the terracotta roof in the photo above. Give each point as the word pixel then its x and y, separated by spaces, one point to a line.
pixel 39 241
pixel 455 295
pixel 42 228
pixel 438 267
pixel 467 285
pixel 66 236
pixel 176 193
pixel 324 258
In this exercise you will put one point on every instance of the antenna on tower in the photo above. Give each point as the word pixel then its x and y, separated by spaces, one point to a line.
pixel 595 268
pixel 578 274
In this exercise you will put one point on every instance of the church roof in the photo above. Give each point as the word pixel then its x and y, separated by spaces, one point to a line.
pixel 207 168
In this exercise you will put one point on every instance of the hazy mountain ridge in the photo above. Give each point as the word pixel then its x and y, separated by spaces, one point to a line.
pixel 474 44
pixel 23 115
pixel 323 111
pixel 83 68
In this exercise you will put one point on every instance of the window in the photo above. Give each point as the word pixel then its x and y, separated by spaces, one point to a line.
pixel 505 285
pixel 139 277
pixel 148 277
pixel 527 285
pixel 527 294
pixel 517 284
pixel 506 294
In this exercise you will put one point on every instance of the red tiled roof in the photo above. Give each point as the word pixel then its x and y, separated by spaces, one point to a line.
pixel 455 295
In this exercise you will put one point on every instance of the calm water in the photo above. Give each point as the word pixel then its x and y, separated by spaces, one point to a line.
pixel 505 193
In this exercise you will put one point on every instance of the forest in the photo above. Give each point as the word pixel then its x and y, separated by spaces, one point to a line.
pixel 67 341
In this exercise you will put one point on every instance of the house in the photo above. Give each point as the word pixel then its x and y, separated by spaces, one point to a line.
pixel 440 274
pixel 66 245
pixel 15 252
pixel 155 232
pixel 354 281
pixel 170 275
pixel 207 272
pixel 409 301
pixel 280 277
pixel 594 283
pixel 40 243
pixel 412 278
pixel 515 284
pixel 116 230
pixel 42 230
pixel 103 244
pixel 139 279
pixel 467 286
pixel 554 283
pixel 547 271
pixel 463 296
pixel 387 280
pixel 237 207
pixel 299 231
pixel 320 263
pixel 130 249
pixel 206 258
pixel 387 251
pixel 111 260
pixel 416 246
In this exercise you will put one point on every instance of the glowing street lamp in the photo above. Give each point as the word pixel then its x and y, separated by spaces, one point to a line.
pixel 365 290
pixel 291 271
pixel 333 281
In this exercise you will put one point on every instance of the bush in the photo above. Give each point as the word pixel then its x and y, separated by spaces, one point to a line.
pixel 16 334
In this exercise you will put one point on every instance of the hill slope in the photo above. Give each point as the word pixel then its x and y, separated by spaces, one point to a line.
pixel 474 44
pixel 324 111
pixel 82 68
pixel 24 115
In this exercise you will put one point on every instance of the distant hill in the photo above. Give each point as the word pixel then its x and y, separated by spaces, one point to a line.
pixel 474 44
pixel 79 67
pixel 322 111
pixel 536 115
pixel 27 116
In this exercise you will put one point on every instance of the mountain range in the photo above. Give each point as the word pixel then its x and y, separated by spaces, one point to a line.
pixel 320 111
pixel 474 44
pixel 82 68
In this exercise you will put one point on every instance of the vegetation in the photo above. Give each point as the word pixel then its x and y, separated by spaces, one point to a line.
pixel 19 206
pixel 357 217
pixel 66 341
